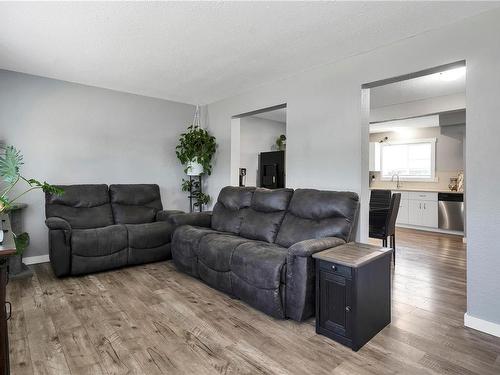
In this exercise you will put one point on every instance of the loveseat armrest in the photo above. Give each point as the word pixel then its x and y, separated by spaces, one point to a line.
pixel 59 245
pixel 198 219
pixel 164 215
pixel 307 248
pixel 55 223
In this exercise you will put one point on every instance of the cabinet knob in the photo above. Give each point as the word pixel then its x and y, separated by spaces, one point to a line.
pixel 334 268
pixel 348 308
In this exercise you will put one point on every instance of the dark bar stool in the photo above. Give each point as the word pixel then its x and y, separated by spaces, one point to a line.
pixel 383 221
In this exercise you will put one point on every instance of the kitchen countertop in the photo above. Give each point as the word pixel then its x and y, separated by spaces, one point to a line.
pixel 418 190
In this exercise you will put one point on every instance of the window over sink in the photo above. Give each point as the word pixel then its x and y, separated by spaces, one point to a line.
pixel 412 160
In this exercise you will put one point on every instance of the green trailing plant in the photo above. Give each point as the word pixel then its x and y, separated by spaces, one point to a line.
pixel 196 145
pixel 11 161
pixel 22 241
pixel 281 142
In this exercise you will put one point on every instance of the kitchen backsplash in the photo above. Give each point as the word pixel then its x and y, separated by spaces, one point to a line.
pixel 443 180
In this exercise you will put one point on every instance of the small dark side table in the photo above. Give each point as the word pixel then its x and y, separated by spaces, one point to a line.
pixel 7 249
pixel 353 292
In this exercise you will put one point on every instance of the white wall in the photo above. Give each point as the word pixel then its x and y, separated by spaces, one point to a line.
pixel 327 145
pixel 72 134
pixel 418 108
pixel 257 135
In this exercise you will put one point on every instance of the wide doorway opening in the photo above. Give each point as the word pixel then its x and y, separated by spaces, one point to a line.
pixel 258 148
pixel 415 184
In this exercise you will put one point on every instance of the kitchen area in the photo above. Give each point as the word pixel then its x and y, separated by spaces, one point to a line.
pixel 417 148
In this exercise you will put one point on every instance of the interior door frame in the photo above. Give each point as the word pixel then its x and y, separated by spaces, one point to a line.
pixel 236 139
pixel 365 137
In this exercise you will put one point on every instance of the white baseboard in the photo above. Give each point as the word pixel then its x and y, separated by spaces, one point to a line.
pixel 430 229
pixel 36 259
pixel 482 325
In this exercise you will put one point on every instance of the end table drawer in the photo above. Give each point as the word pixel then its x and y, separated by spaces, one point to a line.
pixel 335 268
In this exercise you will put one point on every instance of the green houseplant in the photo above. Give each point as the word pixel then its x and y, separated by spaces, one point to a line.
pixel 11 161
pixel 196 146
pixel 281 142
pixel 195 151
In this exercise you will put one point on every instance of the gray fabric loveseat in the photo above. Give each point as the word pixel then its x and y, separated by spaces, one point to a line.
pixel 257 244
pixel 94 228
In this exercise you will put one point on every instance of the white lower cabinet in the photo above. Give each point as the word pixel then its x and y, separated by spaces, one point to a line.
pixel 423 213
pixel 430 214
pixel 403 212
pixel 414 212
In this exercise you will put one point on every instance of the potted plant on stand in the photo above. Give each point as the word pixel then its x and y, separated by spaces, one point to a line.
pixel 195 151
pixel 11 161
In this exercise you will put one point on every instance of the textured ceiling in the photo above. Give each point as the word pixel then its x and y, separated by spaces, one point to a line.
pixel 201 52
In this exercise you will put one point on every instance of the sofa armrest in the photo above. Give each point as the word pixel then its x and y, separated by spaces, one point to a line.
pixel 307 248
pixel 164 215
pixel 199 219
pixel 301 275
pixel 55 223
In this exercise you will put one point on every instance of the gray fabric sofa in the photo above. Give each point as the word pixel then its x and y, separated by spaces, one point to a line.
pixel 94 228
pixel 257 244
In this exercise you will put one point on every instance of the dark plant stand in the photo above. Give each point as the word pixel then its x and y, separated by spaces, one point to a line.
pixel 196 188
pixel 17 269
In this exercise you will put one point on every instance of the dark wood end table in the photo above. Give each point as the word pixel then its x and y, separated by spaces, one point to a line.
pixel 7 248
pixel 353 292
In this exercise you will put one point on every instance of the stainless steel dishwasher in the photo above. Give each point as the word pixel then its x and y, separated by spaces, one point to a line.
pixel 451 211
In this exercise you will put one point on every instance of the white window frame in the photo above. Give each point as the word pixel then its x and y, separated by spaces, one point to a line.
pixel 433 177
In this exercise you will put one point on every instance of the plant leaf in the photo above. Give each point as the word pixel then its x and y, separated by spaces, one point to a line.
pixel 10 164
pixel 22 241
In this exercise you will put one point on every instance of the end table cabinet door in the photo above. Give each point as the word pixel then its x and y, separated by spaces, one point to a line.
pixel 335 303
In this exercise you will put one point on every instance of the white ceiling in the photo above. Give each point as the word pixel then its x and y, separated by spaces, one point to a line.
pixel 200 52
pixel 278 115
pixel 411 90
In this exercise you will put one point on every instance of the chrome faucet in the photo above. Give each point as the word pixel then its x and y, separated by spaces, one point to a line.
pixel 398 183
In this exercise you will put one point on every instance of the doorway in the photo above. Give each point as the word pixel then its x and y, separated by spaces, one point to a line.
pixel 258 148
pixel 414 147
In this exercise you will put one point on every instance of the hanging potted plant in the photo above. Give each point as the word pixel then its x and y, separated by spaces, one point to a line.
pixel 195 151
pixel 11 161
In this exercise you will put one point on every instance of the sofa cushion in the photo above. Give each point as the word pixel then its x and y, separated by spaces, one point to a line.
pixel 269 301
pixel 230 208
pixel 185 247
pixel 82 265
pixel 266 212
pixel 149 242
pixel 135 203
pixel 99 241
pixel 316 214
pixel 216 250
pixel 149 235
pixel 82 206
pixel 220 280
pixel 260 264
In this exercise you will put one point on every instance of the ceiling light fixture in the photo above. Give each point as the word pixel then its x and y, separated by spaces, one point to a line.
pixel 452 74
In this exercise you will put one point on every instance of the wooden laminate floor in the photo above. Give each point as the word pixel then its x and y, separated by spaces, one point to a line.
pixel 154 320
